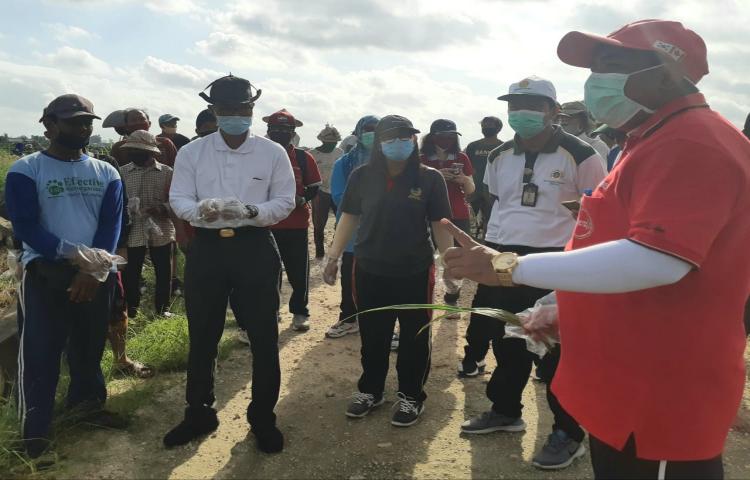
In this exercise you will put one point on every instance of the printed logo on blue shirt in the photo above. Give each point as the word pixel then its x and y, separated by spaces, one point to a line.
pixel 55 188
pixel 75 185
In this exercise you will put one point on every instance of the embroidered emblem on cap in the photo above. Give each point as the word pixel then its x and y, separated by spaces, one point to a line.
pixel 524 83
pixel 676 53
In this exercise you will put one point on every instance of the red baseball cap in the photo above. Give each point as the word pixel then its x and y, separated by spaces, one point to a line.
pixel 282 117
pixel 667 38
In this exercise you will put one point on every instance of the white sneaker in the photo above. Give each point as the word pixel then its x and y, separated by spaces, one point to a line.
pixel 301 323
pixel 242 337
pixel 340 329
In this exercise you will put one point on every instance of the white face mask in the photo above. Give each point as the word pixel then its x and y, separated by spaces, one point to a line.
pixel 604 96
pixel 169 129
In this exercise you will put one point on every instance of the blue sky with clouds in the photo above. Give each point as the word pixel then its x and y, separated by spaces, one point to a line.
pixel 330 61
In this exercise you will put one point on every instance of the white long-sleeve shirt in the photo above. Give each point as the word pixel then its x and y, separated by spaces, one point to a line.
pixel 257 173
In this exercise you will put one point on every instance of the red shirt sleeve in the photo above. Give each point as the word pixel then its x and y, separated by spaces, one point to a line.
pixel 679 198
pixel 468 167
pixel 312 174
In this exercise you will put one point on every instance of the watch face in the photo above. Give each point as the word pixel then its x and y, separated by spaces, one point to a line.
pixel 504 261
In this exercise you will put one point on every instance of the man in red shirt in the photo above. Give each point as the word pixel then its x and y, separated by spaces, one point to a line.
pixel 651 292
pixel 291 233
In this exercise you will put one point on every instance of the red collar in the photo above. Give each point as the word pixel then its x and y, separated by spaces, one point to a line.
pixel 688 101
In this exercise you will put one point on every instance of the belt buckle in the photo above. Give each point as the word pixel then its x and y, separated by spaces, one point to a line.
pixel 226 232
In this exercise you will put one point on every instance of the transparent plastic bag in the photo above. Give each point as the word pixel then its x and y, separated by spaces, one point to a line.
pixel 152 228
pixel 330 275
pixel 14 263
pixel 134 208
pixel 452 286
pixel 231 211
pixel 514 331
pixel 93 261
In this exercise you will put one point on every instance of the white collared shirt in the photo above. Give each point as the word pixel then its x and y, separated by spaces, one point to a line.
pixel 257 173
pixel 564 169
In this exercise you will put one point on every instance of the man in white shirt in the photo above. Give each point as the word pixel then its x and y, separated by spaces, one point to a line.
pixel 574 119
pixel 231 185
pixel 529 178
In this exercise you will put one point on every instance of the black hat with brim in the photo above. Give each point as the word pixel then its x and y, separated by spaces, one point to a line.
pixel 230 90
pixel 69 106
pixel 389 123
pixel 443 125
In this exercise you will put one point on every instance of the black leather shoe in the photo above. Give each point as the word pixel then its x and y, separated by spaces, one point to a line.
pixel 197 423
pixel 269 440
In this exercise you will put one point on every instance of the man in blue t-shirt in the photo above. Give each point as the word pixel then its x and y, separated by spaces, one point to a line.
pixel 59 200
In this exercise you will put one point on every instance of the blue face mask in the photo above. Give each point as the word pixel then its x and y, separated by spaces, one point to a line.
pixel 234 125
pixel 397 150
pixel 526 123
pixel 366 139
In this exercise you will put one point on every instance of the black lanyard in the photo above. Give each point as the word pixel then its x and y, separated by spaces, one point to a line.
pixel 528 168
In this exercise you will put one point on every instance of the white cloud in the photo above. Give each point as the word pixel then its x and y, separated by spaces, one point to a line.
pixel 336 60
pixel 173 74
pixel 76 61
pixel 343 24
pixel 69 33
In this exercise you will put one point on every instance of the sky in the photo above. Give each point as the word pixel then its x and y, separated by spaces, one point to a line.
pixel 330 61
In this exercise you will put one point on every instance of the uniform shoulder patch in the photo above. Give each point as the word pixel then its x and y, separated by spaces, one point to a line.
pixel 509 145
pixel 577 148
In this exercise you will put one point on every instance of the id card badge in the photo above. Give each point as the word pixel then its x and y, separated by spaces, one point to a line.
pixel 529 195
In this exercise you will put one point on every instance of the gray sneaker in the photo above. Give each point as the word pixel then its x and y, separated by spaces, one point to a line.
pixel 491 421
pixel 301 323
pixel 558 452
pixel 363 403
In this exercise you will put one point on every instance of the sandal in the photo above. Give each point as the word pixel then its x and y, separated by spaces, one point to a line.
pixel 135 369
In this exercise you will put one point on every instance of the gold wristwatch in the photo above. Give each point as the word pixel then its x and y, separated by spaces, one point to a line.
pixel 504 263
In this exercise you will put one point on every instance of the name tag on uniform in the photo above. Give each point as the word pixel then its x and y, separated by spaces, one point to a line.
pixel 529 195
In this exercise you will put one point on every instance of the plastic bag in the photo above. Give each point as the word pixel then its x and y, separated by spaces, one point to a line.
pixel 15 267
pixel 330 277
pixel 514 331
pixel 93 261
pixel 231 211
pixel 152 228
pixel 134 208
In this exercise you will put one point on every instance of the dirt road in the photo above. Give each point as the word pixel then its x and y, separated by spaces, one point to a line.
pixel 318 376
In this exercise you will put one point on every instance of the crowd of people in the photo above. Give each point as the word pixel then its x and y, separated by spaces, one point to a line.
pixel 615 225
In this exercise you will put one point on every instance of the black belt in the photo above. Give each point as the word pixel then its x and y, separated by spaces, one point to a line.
pixel 229 232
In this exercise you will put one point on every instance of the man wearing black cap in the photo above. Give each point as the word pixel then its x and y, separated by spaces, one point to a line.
pixel 58 200
pixel 231 186
pixel 168 124
pixel 477 152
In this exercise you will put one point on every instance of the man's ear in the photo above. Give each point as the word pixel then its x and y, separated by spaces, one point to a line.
pixel 50 128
